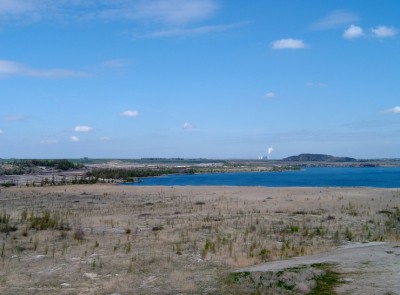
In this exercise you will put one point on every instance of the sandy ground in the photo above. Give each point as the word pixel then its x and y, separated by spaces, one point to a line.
pixel 366 268
pixel 186 240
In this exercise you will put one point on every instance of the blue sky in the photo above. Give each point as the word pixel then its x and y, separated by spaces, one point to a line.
pixel 199 78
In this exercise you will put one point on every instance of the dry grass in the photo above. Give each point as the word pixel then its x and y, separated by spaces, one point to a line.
pixel 105 239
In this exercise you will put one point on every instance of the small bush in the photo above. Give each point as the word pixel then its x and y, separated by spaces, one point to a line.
pixel 79 234
pixel 348 234
pixel 6 228
pixel 8 184
pixel 45 220
pixel 264 254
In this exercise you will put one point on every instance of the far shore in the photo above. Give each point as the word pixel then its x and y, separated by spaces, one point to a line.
pixel 12 173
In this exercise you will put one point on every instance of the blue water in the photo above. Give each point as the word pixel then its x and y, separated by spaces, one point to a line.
pixel 383 177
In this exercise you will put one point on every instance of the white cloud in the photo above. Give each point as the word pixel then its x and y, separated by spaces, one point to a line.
pixel 74 138
pixel 353 32
pixel 83 128
pixel 335 19
pixel 48 141
pixel 384 32
pixel 270 94
pixel 175 11
pixel 1 131
pixel 130 113
pixel 288 44
pixel 11 68
pixel 187 126
pixel 395 110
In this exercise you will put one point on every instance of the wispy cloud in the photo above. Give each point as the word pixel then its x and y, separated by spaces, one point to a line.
pixel 74 138
pixel 270 94
pixel 13 8
pixel 11 68
pixel 187 126
pixel 130 113
pixel 394 110
pixel 83 128
pixel 30 11
pixel 353 32
pixel 48 141
pixel 288 44
pixel 335 19
pixel 371 124
pixel 16 118
pixel 117 63
pixel 384 32
pixel 316 84
pixel 175 11
pixel 1 131
pixel 174 17
pixel 186 32
pixel 171 11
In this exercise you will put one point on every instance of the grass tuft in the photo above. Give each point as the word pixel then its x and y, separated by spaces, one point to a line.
pixel 327 282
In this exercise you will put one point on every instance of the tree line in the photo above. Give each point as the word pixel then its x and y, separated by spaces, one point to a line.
pixel 26 166
pixel 132 174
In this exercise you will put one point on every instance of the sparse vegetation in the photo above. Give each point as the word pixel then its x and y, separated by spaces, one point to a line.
pixel 182 237
pixel 299 280
pixel 47 220
pixel 327 281
pixel 19 167
pixel 132 174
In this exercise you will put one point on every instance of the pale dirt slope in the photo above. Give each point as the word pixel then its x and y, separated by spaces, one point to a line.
pixel 365 268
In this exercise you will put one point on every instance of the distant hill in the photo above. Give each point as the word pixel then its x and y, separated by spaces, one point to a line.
pixel 318 158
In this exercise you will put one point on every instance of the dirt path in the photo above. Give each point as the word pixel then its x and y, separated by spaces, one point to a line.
pixel 366 268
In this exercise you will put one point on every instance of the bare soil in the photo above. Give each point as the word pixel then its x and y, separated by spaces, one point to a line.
pixel 365 268
pixel 109 239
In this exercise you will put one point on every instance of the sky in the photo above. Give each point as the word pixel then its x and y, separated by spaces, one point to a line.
pixel 199 78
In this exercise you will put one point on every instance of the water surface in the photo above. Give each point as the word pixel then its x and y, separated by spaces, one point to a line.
pixel 382 177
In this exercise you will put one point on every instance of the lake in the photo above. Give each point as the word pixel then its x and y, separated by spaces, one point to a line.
pixel 382 177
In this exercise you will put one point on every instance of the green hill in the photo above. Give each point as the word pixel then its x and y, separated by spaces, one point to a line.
pixel 318 158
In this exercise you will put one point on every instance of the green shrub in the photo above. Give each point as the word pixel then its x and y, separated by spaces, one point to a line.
pixel 45 220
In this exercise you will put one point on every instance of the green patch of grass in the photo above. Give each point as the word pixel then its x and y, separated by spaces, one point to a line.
pixel 237 283
pixel 7 184
pixel 327 282
pixel 235 277
pixel 47 220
